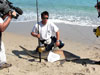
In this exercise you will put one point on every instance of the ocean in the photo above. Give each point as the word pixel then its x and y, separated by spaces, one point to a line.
pixel 72 12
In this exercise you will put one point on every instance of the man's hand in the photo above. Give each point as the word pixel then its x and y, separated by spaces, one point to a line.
pixel 38 35
pixel 12 13
pixel 57 43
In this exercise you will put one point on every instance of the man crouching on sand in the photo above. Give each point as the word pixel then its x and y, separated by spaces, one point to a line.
pixel 3 26
pixel 46 29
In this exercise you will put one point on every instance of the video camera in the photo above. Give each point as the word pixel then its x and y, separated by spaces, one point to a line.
pixel 6 7
pixel 97 31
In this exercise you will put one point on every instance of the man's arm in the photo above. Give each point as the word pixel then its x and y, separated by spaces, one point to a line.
pixel 4 25
pixel 57 35
pixel 35 35
pixel 35 32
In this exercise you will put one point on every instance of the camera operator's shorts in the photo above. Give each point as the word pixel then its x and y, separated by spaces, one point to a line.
pixel 2 54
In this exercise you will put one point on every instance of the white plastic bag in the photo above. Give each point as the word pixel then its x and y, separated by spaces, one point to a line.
pixel 52 57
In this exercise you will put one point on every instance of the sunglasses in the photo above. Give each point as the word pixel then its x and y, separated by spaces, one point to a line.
pixel 45 18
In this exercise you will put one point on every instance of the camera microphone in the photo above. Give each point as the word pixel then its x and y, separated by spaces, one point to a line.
pixel 18 10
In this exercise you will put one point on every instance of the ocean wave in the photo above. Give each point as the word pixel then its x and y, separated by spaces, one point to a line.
pixel 74 23
pixel 69 19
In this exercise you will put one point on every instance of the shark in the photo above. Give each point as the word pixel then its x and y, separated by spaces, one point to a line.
pixel 64 56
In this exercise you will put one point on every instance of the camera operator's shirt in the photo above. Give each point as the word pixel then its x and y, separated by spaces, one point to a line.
pixel 1 20
pixel 45 31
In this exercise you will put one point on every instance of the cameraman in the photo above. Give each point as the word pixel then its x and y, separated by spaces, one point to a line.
pixel 4 22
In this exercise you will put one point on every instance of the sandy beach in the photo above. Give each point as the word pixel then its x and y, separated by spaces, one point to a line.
pixel 78 40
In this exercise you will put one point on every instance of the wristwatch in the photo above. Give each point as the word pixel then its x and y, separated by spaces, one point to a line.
pixel 57 40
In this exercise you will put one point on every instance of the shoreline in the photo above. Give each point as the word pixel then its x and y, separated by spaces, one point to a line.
pixel 81 34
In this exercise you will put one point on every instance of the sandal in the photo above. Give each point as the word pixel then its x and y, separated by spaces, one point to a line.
pixel 5 65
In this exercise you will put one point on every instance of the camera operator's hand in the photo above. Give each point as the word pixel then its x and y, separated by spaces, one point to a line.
pixel 13 14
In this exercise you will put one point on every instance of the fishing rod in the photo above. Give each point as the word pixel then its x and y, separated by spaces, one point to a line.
pixel 38 28
pixel 97 1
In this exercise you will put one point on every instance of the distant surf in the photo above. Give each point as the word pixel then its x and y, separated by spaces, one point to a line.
pixel 72 12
